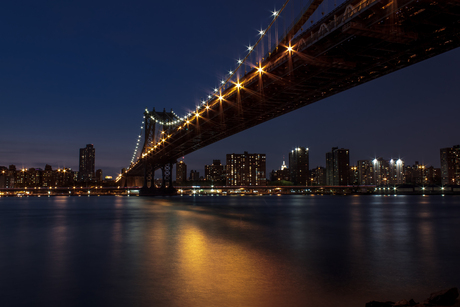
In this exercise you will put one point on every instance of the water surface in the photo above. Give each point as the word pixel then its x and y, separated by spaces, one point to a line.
pixel 226 251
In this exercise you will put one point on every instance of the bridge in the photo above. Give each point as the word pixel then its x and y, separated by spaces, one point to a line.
pixel 358 41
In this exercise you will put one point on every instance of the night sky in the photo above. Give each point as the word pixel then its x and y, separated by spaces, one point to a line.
pixel 82 72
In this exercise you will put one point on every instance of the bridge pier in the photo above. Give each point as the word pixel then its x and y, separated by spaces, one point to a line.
pixel 149 188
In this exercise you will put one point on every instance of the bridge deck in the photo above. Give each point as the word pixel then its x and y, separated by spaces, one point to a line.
pixel 345 49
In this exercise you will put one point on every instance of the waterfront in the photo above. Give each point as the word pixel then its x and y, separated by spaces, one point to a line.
pixel 224 251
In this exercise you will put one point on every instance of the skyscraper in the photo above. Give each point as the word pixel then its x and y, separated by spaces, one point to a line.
pixel 299 166
pixel 246 169
pixel 337 166
pixel 181 172
pixel 86 165
pixel 450 165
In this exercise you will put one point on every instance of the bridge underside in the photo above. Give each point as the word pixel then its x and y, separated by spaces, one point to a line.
pixel 327 59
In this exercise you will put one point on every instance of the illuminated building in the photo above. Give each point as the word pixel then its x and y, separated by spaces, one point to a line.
pixel 381 171
pixel 181 172
pixel 318 176
pixel 396 172
pixel 48 176
pixel 64 177
pixel 7 177
pixel 450 165
pixel 299 166
pixel 214 172
pixel 353 175
pixel 3 176
pixel 34 177
pixel 337 166
pixel 86 165
pixel 281 174
pixel 417 174
pixel 365 172
pixel 246 169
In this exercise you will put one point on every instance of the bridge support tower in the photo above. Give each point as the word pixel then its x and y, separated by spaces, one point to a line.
pixel 167 123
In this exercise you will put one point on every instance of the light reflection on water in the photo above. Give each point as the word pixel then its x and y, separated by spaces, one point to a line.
pixel 227 251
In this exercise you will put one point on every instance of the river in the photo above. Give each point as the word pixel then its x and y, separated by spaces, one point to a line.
pixel 227 251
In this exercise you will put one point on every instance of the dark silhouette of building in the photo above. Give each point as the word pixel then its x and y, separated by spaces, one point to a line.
pixel 214 172
pixel 99 176
pixel 299 166
pixel 246 169
pixel 337 166
pixel 434 175
pixel 450 165
pixel 181 172
pixel 86 165
pixel 194 175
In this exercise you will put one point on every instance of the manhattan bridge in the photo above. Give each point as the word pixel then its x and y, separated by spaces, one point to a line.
pixel 356 42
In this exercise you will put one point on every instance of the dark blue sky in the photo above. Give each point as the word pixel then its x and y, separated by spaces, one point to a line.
pixel 79 72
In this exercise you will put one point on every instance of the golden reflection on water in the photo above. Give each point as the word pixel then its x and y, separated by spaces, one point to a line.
pixel 206 269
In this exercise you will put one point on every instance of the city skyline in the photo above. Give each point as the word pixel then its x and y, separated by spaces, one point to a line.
pixel 70 82
pixel 202 168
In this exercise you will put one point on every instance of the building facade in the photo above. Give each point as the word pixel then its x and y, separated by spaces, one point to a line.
pixel 337 166
pixel 181 172
pixel 215 172
pixel 283 174
pixel 194 175
pixel 246 169
pixel 450 165
pixel 87 161
pixel 318 176
pixel 35 177
pixel 365 172
pixel 299 166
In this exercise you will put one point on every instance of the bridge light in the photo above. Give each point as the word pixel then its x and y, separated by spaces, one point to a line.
pixel 207 107
pixel 238 85
pixel 260 70
pixel 222 82
pixel 209 96
pixel 289 49
pixel 188 122
pixel 250 48
pixel 220 98
pixel 230 72
pixel 240 61
pixel 275 13
pixel 215 90
pixel 261 32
